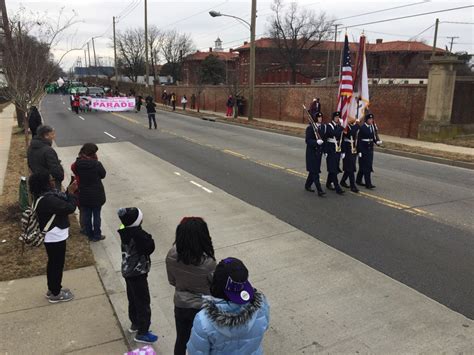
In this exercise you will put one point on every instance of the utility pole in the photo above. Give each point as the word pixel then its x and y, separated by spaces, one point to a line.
pixel 146 45
pixel 452 42
pixel 115 54
pixel 253 23
pixel 85 58
pixel 435 37
pixel 95 59
pixel 89 54
pixel 335 50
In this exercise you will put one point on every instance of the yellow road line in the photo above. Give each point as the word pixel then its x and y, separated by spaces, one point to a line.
pixel 379 199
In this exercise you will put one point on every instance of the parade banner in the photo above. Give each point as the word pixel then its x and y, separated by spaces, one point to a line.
pixel 112 104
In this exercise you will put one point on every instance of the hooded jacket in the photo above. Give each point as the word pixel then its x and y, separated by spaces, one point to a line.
pixel 137 246
pixel 191 282
pixel 223 327
pixel 43 158
pixel 91 190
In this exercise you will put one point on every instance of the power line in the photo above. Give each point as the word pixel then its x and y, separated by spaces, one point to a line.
pixel 377 11
pixel 197 13
pixel 410 16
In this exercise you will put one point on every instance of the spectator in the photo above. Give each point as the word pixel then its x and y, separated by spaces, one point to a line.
pixel 189 264
pixel 42 157
pixel 193 101
pixel 137 246
pixel 54 209
pixel 92 195
pixel 76 103
pixel 184 101
pixel 151 110
pixel 230 106
pixel 75 177
pixel 34 120
pixel 235 319
pixel 315 108
pixel 164 97
pixel 173 100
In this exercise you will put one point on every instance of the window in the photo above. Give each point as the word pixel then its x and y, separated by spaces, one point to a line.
pixel 390 81
pixel 422 81
pixel 405 82
pixel 375 81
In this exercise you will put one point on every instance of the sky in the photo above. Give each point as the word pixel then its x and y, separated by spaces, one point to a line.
pixel 192 17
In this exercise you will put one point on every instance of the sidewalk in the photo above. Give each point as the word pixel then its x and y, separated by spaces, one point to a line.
pixel 7 121
pixel 29 324
pixel 388 140
pixel 322 301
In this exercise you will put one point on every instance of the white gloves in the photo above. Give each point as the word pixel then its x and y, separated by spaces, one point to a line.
pixel 379 142
pixel 343 155
pixel 360 155
pixel 319 141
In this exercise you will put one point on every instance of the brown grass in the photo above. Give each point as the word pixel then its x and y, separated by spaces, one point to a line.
pixel 16 260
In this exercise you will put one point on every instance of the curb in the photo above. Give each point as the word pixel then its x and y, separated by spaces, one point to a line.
pixel 401 153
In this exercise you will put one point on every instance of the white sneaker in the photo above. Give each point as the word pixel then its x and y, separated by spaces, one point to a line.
pixel 61 297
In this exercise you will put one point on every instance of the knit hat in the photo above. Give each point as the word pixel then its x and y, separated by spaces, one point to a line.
pixel 230 282
pixel 130 216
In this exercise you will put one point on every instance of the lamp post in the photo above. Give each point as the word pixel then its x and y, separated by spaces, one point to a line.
pixel 251 26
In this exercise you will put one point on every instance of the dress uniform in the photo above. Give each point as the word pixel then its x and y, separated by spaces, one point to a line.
pixel 349 156
pixel 314 153
pixel 366 140
pixel 334 133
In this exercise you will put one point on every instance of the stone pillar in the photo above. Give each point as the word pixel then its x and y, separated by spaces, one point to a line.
pixel 436 124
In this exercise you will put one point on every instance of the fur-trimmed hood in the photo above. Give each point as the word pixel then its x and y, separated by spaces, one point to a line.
pixel 230 315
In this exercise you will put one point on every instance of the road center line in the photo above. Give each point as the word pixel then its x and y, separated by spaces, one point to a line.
pixel 110 135
pixel 82 118
pixel 200 186
pixel 195 183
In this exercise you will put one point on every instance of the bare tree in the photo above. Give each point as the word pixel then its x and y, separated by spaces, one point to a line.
pixel 234 87
pixel 176 46
pixel 29 64
pixel 156 39
pixel 296 32
pixel 131 52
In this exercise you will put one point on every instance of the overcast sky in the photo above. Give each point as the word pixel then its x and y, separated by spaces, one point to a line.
pixel 192 17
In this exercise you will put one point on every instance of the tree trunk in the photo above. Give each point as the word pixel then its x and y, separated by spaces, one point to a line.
pixel 20 116
pixel 293 77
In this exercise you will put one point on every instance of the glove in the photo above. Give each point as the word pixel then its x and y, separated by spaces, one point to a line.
pixel 360 155
pixel 379 142
pixel 319 141
pixel 325 155
pixel 343 155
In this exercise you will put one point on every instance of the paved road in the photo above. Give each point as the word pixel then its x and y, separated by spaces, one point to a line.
pixel 417 227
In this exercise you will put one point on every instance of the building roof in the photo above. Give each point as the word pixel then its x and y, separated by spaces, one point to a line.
pixel 198 56
pixel 392 46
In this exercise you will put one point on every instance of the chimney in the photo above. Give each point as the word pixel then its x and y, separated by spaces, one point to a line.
pixel 231 50
pixel 245 43
pixel 210 49
pixel 379 40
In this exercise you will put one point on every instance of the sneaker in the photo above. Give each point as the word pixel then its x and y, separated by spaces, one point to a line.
pixel 148 338
pixel 102 237
pixel 133 329
pixel 61 297
pixel 49 293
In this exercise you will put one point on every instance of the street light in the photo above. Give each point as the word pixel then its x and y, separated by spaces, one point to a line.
pixel 252 50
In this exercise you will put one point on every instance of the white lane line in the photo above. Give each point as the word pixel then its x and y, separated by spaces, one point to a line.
pixel 110 135
pixel 69 108
pixel 176 173
pixel 82 118
pixel 200 186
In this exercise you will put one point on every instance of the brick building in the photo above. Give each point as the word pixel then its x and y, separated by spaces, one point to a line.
pixel 192 62
pixel 388 62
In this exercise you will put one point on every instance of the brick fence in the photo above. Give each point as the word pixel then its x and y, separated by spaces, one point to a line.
pixel 398 108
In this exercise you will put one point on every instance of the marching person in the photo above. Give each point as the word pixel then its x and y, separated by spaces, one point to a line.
pixel 349 152
pixel 315 108
pixel 365 145
pixel 334 133
pixel 138 103
pixel 314 153
pixel 76 103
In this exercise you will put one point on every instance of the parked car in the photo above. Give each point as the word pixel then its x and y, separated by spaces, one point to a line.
pixel 94 91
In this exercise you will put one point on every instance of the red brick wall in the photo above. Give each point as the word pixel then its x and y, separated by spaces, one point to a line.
pixel 398 109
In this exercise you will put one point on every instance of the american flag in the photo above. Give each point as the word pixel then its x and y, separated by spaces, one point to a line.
pixel 345 84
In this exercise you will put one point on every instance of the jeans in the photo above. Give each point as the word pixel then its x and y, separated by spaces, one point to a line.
pixel 92 221
pixel 54 270
pixel 151 117
pixel 139 311
pixel 184 318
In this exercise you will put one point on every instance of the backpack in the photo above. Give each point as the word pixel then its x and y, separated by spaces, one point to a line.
pixel 31 233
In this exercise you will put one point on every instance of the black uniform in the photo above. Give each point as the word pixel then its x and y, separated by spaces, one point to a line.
pixel 349 143
pixel 314 153
pixel 365 147
pixel 333 138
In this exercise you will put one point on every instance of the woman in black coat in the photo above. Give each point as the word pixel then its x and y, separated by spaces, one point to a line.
pixel 92 194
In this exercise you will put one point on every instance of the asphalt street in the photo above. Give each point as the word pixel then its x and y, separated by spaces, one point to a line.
pixel 416 227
